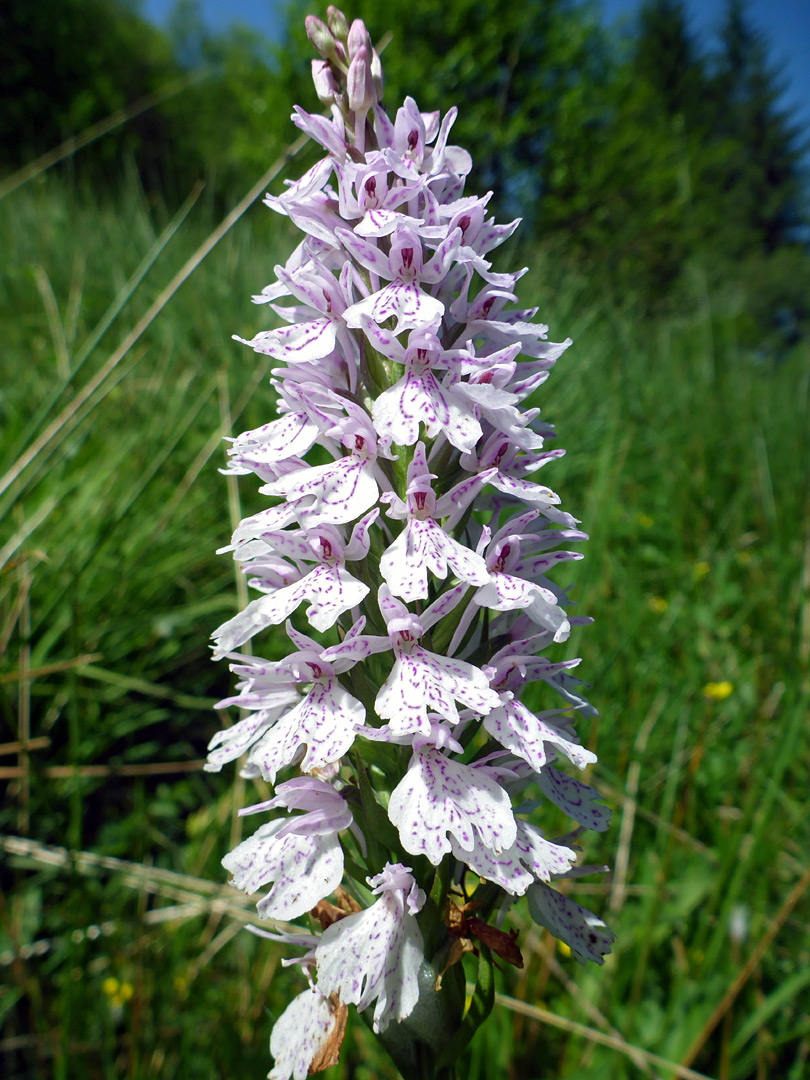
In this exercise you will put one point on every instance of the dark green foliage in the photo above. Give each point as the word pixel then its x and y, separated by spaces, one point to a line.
pixel 645 159
pixel 66 64
pixel 688 463
pixel 762 180
pixel 666 57
pixel 678 166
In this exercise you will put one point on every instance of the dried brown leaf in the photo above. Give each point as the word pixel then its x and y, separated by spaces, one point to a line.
pixel 457 949
pixel 330 1051
pixel 502 944
pixel 327 913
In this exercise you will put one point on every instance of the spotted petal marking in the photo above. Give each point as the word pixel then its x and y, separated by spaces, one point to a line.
pixel 301 1033
pixel 505 870
pixel 232 742
pixel 421 546
pixel 326 722
pixel 525 734
pixel 530 858
pixel 337 492
pixel 578 800
pixel 420 398
pixel 585 934
pixel 542 857
pixel 438 796
pixel 374 955
pixel 405 301
pixel 289 436
pixel 331 590
pixel 304 868
pixel 422 680
pixel 300 343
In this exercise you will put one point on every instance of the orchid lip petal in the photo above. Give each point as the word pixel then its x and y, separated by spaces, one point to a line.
pixel 375 954
pixel 438 796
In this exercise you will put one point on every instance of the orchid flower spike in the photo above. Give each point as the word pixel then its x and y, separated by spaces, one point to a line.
pixel 407 552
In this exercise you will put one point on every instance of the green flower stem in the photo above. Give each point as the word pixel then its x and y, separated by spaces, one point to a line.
pixel 480 1007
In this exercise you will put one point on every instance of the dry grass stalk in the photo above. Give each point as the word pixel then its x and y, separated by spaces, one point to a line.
pixel 750 966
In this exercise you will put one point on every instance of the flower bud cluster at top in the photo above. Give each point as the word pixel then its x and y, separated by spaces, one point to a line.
pixel 403 525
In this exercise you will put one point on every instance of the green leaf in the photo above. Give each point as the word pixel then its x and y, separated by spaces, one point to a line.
pixel 779 999
pixel 481 1002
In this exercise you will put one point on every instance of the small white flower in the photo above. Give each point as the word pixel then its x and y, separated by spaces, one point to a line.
pixel 422 680
pixel 526 734
pixel 375 955
pixel 304 869
pixel 329 587
pixel 438 796
pixel 418 397
pixel 343 489
pixel 531 858
pixel 423 545
pixel 302 1032
pixel 402 298
pixel 325 722
pixel 301 855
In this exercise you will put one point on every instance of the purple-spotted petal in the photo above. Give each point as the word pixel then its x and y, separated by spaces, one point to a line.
pixel 438 796
pixel 336 492
pixel 325 723
pixel 231 743
pixel 301 1033
pixel 526 734
pixel 405 301
pixel 544 858
pixel 303 868
pixel 299 343
pixel 289 436
pixel 583 932
pixel 505 870
pixel 422 681
pixel 424 546
pixel 420 398
pixel 374 955
pixel 578 800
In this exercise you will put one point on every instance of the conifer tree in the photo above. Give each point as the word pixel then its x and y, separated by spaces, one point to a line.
pixel 761 182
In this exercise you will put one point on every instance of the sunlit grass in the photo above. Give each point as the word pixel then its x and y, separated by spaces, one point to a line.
pixel 688 464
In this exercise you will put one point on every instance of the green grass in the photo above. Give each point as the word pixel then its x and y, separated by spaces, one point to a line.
pixel 688 462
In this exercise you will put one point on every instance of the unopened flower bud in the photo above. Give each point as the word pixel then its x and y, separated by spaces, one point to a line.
pixel 359 38
pixel 377 74
pixel 320 36
pixel 337 22
pixel 326 86
pixel 360 85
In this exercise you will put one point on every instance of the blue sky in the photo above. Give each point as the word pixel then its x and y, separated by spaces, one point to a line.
pixel 786 22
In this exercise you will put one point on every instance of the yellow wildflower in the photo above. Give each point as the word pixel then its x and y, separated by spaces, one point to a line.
pixel 657 604
pixel 701 569
pixel 718 691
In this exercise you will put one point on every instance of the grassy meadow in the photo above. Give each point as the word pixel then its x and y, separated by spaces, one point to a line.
pixel 122 952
